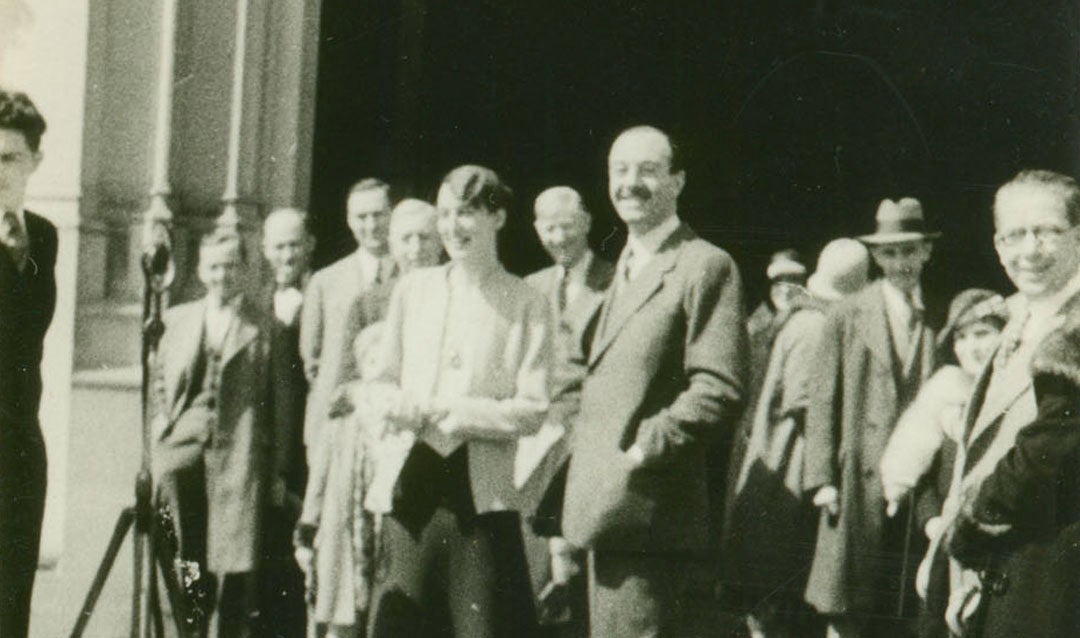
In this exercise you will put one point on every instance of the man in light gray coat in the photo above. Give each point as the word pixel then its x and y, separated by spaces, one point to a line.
pixel 329 321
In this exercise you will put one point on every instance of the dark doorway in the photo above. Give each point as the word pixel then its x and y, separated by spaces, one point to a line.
pixel 794 122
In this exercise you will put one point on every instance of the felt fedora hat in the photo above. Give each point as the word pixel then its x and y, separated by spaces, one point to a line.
pixel 786 265
pixel 899 222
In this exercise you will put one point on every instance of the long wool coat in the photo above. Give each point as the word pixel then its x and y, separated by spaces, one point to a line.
pixel 235 449
pixel 769 522
pixel 855 403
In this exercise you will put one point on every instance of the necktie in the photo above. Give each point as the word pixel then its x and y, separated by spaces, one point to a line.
pixel 628 265
pixel 560 296
pixel 14 239
pixel 915 316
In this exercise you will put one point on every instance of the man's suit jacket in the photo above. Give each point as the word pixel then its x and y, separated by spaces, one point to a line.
pixel 288 389
pixel 27 303
pixel 235 447
pixel 506 361
pixel 540 465
pixel 571 330
pixel 856 399
pixel 665 372
pixel 330 320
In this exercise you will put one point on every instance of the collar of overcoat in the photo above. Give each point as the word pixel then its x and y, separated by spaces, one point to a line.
pixel 189 327
pixel 983 410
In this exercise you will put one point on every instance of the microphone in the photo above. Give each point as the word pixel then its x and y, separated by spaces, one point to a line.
pixel 156 260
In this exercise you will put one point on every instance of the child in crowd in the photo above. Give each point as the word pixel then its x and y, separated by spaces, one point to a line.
pixel 335 536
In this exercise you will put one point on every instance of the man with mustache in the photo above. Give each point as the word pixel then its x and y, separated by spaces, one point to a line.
pixel 875 352
pixel 664 384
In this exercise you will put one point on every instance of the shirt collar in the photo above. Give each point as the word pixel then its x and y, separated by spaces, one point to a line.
pixel 300 285
pixel 648 243
pixel 580 269
pixel 20 214
pixel 898 298
pixel 230 308
pixel 1044 308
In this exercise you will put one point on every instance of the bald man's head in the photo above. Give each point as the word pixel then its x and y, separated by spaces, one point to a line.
pixel 562 224
pixel 287 245
pixel 645 178
pixel 414 236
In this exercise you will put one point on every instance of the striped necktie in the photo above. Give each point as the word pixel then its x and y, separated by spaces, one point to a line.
pixel 14 239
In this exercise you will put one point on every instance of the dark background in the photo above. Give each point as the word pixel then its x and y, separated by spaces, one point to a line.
pixel 794 122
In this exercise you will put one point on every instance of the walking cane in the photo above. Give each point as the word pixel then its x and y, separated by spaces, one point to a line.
pixel 909 522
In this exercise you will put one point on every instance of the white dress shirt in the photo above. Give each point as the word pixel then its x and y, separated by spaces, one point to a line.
pixel 575 276
pixel 641 249
pixel 898 309
pixel 287 304
pixel 372 266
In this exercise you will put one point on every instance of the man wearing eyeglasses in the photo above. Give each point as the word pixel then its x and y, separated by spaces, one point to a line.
pixel 28 245
pixel 1015 547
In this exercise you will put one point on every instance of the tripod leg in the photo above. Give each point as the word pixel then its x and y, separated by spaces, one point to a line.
pixel 123 524
pixel 155 602
pixel 184 610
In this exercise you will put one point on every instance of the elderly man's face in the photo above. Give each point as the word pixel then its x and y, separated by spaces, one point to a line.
pixel 902 262
pixel 1036 244
pixel 286 246
pixel 414 241
pixel 368 217
pixel 17 163
pixel 220 270
pixel 641 184
pixel 564 232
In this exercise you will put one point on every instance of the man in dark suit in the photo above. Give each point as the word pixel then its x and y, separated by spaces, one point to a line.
pixel 28 245
pixel 574 285
pixel 665 378
pixel 287 248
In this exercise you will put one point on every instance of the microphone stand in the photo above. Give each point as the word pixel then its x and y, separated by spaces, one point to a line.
pixel 154 538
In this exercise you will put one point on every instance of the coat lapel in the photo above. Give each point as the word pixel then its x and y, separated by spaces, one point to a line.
pixel 438 299
pixel 181 353
pixel 634 294
pixel 1014 382
pixel 875 328
pixel 244 330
